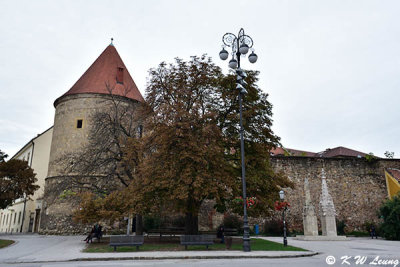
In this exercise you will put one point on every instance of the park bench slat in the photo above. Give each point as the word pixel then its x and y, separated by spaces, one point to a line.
pixel 126 240
pixel 193 240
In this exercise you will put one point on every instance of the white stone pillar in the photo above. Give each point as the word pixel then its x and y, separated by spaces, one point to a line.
pixel 310 225
pixel 327 210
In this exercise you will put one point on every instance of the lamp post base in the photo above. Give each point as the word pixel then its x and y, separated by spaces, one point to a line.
pixel 246 244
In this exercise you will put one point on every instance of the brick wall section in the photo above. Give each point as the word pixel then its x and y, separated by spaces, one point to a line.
pixel 357 186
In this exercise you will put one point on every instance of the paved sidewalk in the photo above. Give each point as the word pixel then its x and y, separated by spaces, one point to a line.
pixel 37 248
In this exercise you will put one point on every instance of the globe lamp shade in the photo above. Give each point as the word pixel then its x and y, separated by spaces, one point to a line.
pixel 253 57
pixel 243 49
pixel 233 63
pixel 223 54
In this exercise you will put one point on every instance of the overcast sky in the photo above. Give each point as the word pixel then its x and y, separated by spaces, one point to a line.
pixel 331 68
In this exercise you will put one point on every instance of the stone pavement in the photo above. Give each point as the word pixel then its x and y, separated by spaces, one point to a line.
pixel 36 248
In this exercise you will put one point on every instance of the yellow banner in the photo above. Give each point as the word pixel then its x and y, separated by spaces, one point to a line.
pixel 392 185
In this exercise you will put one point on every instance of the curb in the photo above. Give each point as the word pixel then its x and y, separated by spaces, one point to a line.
pixel 199 257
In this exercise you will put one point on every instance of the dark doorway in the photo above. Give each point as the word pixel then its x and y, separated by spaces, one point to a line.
pixel 37 219
pixel 30 223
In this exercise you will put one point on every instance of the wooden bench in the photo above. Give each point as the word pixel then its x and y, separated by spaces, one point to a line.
pixel 126 240
pixel 230 232
pixel 193 240
pixel 167 231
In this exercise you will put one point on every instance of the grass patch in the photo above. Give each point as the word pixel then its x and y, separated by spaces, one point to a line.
pixel 5 243
pixel 173 245
pixel 266 245
pixel 358 234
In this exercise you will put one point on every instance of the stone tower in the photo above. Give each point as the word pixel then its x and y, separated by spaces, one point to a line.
pixel 107 77
pixel 310 224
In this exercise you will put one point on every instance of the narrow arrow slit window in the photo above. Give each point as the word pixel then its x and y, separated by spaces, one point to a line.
pixel 79 124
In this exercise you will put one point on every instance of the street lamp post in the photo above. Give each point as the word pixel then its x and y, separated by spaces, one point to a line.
pixel 240 46
pixel 282 197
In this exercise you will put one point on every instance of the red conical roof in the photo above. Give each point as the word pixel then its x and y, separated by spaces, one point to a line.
pixel 107 72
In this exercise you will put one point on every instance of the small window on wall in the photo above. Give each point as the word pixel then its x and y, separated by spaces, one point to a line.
pixel 120 75
pixel 79 124
pixel 19 218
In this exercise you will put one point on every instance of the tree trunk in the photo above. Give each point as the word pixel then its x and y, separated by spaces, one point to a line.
pixel 139 224
pixel 191 224
pixel 128 227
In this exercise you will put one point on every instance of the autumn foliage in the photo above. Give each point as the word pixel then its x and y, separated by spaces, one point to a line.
pixel 16 179
pixel 280 205
pixel 190 149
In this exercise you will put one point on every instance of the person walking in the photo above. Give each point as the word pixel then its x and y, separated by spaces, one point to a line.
pixel 373 232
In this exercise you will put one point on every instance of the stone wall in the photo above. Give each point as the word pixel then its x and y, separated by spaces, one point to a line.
pixel 67 138
pixel 61 202
pixel 357 187
pixel 57 211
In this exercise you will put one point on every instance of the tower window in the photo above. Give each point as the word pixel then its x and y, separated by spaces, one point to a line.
pixel 120 75
pixel 79 124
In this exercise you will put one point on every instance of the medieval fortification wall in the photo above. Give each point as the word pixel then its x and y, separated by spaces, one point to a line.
pixel 357 187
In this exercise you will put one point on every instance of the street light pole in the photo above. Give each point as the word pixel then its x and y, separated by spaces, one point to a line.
pixel 284 229
pixel 282 197
pixel 240 46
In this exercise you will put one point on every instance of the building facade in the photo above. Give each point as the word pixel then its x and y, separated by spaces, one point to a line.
pixel 24 214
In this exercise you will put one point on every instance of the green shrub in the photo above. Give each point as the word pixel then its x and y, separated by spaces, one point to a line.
pixel 178 221
pixel 390 213
pixel 295 232
pixel 233 221
pixel 358 234
pixel 273 228
pixel 340 225
pixel 118 232
pixel 151 222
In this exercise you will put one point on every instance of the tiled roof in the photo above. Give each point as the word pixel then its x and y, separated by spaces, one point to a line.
pixel 336 152
pixel 108 69
pixel 340 152
pixel 277 151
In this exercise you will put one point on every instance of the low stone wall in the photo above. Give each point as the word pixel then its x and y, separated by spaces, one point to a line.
pixel 60 201
pixel 56 217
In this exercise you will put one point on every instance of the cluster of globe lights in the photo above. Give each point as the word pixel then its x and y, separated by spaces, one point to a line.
pixel 243 50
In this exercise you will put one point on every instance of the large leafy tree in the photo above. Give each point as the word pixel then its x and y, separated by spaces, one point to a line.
pixel 186 160
pixel 191 148
pixel 193 141
pixel 16 180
